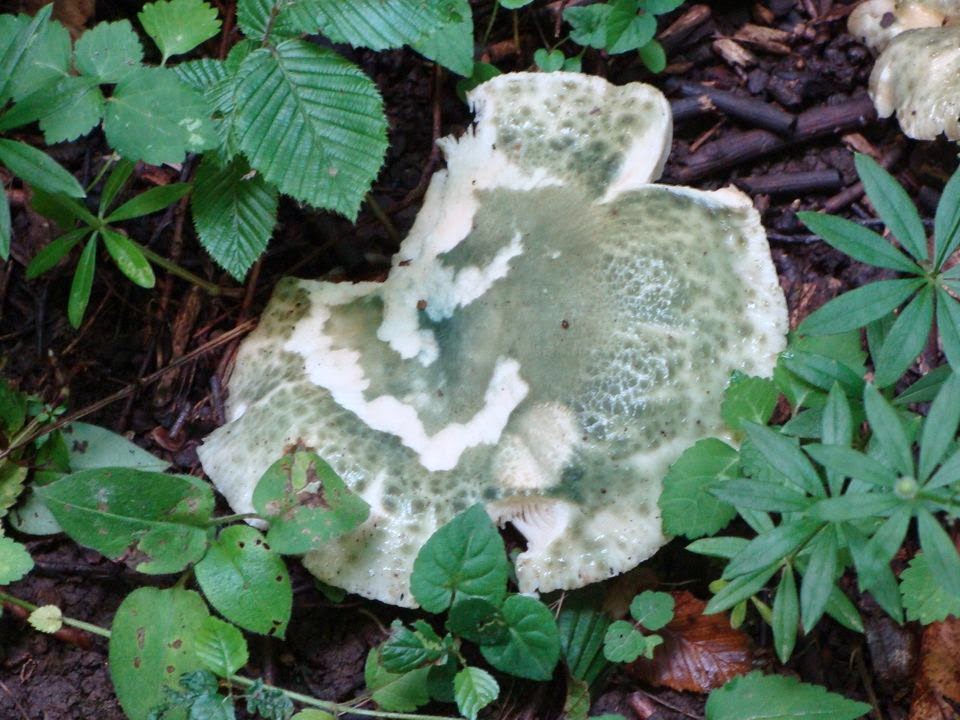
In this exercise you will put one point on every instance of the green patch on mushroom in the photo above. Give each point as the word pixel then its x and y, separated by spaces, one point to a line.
pixel 917 75
pixel 555 330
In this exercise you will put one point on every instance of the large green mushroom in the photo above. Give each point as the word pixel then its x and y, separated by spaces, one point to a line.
pixel 554 332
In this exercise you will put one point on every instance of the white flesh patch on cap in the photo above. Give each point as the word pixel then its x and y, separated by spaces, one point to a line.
pixel 554 331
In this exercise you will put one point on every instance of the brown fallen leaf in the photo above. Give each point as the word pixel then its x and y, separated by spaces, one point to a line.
pixel 699 652
pixel 936 692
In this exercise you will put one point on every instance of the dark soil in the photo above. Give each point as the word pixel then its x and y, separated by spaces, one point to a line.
pixel 130 333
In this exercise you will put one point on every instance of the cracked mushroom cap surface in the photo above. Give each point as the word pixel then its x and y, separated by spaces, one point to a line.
pixel 554 332
pixel 877 22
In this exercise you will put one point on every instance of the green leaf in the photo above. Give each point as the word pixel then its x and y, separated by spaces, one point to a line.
pixel 946 223
pixel 12 479
pixel 948 474
pixel 480 74
pixel 748 398
pixel 478 621
pixel 46 58
pixel 46 619
pixel 38 169
pixel 178 26
pixel 334 130
pixel 848 462
pixel 740 589
pixel 92 447
pixel 784 455
pixel 382 24
pixel 926 388
pixel 149 201
pixel 858 307
pixel 786 615
pixel 893 205
pixel 770 547
pixel 652 610
pixel 843 611
pixel 582 627
pixel 268 702
pixel 313 714
pixel 5 227
pixel 532 648
pixel 128 258
pixel 762 495
pixel 549 60
pixel 82 282
pixel 112 510
pixel 661 7
pixel 221 647
pixel 822 372
pixel 872 560
pixel 940 552
pixel 17 35
pixel 721 547
pixel 626 30
pixel 858 242
pixel 474 689
pixel 50 255
pixel 888 430
pixel 177 115
pixel 818 578
pixel 152 644
pixel 66 108
pixel 234 212
pixel 108 51
pixel 653 56
pixel 451 44
pixel 778 697
pixel 63 210
pixel 395 692
pixel 15 561
pixel 307 503
pixel 515 4
pixel 623 642
pixel 246 581
pixel 924 597
pixel 687 506
pixel 576 704
pixel 589 24
pixel 906 339
pixel 948 325
pixel 940 427
pixel 854 506
pixel 406 650
pixel 464 558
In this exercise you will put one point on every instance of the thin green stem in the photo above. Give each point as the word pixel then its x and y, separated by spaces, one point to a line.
pixel 332 707
pixel 174 269
pixel 103 171
pixel 78 624
pixel 338 708
pixel 231 518
pixel 493 17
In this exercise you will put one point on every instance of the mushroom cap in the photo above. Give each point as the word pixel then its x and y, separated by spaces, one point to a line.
pixel 878 22
pixel 918 78
pixel 553 333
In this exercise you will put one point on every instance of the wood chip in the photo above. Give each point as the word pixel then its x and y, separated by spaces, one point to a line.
pixel 733 53
pixel 766 38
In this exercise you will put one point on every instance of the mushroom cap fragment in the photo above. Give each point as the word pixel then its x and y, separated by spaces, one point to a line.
pixel 878 22
pixel 918 78
pixel 553 333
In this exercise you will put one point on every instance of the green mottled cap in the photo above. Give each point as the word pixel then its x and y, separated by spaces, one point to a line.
pixel 555 330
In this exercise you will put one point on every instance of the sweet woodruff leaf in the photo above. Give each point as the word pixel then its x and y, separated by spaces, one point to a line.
pixel 428 393
pixel 161 518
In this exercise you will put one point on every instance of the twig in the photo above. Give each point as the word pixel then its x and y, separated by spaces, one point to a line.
pixel 227 337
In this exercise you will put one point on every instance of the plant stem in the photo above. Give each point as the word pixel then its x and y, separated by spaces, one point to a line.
pixel 383 218
pixel 78 624
pixel 338 708
pixel 329 706
pixel 180 272
pixel 230 518
pixel 493 17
